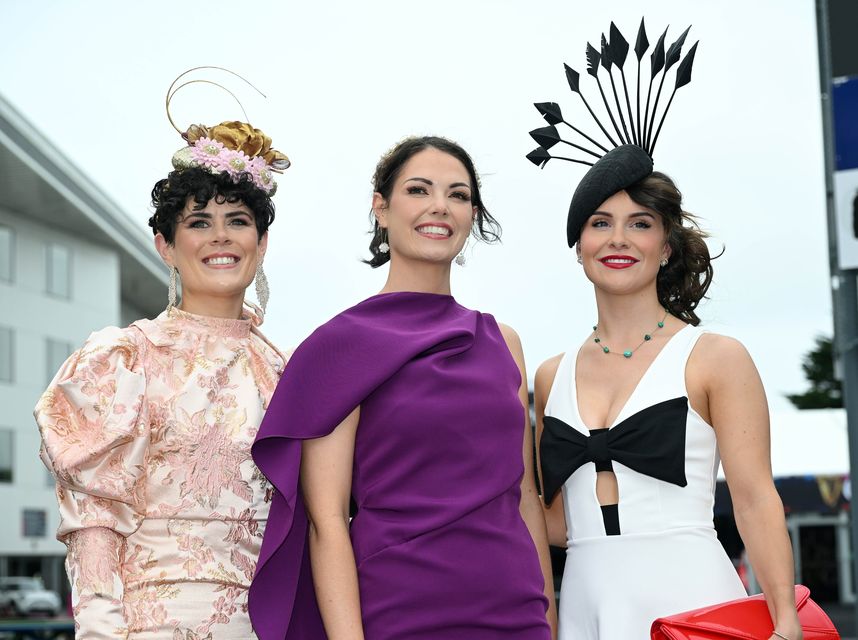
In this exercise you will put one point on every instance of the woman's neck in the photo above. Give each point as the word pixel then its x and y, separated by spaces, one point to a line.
pixel 422 277
pixel 215 307
pixel 628 316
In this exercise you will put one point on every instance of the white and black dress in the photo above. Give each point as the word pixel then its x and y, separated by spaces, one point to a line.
pixel 656 552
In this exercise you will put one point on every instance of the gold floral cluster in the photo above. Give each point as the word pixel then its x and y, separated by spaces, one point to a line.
pixel 240 136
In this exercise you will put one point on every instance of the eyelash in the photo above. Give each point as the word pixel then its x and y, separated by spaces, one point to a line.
pixel 460 195
pixel 203 224
pixel 640 224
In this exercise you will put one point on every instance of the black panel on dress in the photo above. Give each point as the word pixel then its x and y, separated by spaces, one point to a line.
pixel 651 442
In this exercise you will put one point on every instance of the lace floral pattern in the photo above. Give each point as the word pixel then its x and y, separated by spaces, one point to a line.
pixel 148 431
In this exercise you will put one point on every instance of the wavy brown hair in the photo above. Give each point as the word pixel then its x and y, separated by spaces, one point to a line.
pixel 683 283
pixel 485 227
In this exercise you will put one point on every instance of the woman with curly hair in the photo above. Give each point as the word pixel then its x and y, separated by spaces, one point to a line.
pixel 148 429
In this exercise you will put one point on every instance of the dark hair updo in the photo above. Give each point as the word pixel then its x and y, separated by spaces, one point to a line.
pixel 170 196
pixel 683 283
pixel 486 228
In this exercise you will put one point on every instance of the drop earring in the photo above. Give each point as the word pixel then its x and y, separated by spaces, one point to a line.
pixel 461 260
pixel 262 291
pixel 172 289
pixel 383 247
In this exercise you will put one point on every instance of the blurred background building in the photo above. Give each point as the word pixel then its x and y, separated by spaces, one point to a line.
pixel 71 262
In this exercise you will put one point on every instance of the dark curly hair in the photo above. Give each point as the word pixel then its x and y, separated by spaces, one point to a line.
pixel 170 196
pixel 390 166
pixel 683 283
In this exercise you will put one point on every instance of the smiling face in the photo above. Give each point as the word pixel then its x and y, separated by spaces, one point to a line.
pixel 216 250
pixel 429 213
pixel 622 245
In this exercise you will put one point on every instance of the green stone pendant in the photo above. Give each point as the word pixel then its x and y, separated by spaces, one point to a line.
pixel 628 352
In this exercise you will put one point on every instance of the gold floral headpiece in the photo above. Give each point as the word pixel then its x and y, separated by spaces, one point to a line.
pixel 233 147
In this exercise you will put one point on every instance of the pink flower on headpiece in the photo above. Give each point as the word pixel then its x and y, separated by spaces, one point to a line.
pixel 207 152
pixel 217 157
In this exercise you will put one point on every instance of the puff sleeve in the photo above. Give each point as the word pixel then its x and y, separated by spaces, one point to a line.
pixel 95 440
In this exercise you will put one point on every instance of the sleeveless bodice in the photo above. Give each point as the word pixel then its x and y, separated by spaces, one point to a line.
pixel 646 504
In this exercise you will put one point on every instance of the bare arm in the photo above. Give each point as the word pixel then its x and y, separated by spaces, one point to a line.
pixel 555 518
pixel 531 510
pixel 738 411
pixel 326 476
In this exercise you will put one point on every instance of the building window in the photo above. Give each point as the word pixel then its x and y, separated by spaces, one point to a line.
pixel 58 270
pixel 34 523
pixel 6 454
pixel 7 355
pixel 57 352
pixel 7 255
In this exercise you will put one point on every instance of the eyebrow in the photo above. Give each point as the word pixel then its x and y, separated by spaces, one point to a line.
pixel 205 214
pixel 638 214
pixel 430 183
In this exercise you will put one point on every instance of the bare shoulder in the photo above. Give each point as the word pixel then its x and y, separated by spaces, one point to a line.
pixel 545 374
pixel 714 348
pixel 509 334
pixel 513 342
pixel 719 359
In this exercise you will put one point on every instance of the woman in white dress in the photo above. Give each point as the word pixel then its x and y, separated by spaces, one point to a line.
pixel 633 420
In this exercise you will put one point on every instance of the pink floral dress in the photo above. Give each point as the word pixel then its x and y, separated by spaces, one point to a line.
pixel 148 431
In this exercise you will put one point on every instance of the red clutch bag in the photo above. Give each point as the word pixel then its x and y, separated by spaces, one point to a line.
pixel 746 619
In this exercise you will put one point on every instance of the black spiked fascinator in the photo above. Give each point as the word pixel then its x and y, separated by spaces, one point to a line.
pixel 630 136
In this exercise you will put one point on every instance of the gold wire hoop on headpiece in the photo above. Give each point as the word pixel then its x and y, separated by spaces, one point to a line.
pixel 236 148
pixel 171 91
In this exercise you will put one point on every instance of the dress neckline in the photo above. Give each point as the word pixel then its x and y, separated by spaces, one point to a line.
pixel 176 319
pixel 621 413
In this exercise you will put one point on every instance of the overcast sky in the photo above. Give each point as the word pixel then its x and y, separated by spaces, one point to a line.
pixel 345 80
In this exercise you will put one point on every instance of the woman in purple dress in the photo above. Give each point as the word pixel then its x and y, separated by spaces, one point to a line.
pixel 414 407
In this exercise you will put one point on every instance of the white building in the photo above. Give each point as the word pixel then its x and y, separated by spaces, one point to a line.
pixel 71 262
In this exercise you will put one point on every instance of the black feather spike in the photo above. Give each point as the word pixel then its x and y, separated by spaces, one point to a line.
pixel 641 43
pixel 683 71
pixel 619 46
pixel 550 111
pixel 656 62
pixel 607 58
pixel 546 137
pixel 672 58
pixel 572 77
pixel 683 77
pixel 656 58
pixel 607 63
pixel 592 60
pixel 619 51
pixel 539 157
pixel 675 50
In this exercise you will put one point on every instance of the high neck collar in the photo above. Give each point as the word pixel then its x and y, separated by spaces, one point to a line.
pixel 223 327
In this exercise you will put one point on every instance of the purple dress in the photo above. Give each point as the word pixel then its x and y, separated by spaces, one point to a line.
pixel 441 549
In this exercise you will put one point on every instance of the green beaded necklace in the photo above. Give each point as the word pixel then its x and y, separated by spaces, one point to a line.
pixel 628 352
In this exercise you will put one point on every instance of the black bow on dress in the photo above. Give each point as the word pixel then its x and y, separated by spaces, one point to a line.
pixel 651 442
